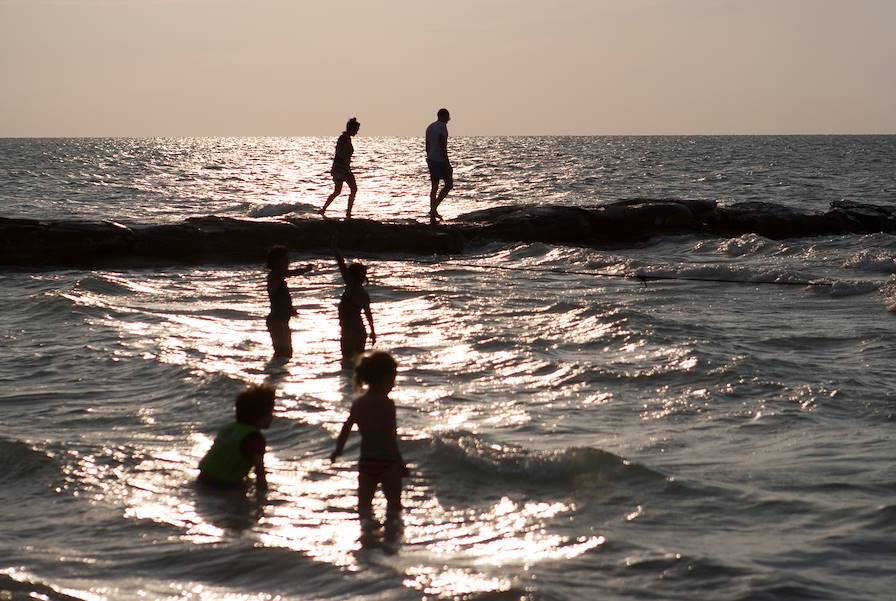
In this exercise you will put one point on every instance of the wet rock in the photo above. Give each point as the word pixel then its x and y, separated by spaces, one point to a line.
pixel 762 218
pixel 210 239
pixel 176 242
pixel 864 217
pixel 626 220
pixel 378 236
pixel 528 223
pixel 32 242
pixel 640 219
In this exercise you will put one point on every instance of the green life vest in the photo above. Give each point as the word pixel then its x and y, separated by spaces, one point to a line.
pixel 224 461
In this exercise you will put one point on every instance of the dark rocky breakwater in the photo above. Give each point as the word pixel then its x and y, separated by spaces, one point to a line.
pixel 27 242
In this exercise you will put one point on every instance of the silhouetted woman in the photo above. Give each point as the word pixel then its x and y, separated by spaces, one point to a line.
pixel 342 167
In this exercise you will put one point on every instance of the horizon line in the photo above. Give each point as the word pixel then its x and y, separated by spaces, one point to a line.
pixel 274 136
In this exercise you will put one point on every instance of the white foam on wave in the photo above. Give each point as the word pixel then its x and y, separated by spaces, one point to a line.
pixel 842 288
pixel 875 260
pixel 736 274
pixel 748 244
pixel 707 272
pixel 280 208
pixel 888 291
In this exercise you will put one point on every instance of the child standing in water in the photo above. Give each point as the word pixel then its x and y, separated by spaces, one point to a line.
pixel 240 445
pixel 281 302
pixel 353 338
pixel 380 461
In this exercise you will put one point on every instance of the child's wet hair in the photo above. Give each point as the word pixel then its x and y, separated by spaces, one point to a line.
pixel 358 271
pixel 374 367
pixel 254 403
pixel 276 254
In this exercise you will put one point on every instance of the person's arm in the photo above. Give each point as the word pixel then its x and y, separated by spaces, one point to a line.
pixel 253 447
pixel 369 315
pixel 261 480
pixel 343 437
pixel 340 260
pixel 405 472
pixel 443 143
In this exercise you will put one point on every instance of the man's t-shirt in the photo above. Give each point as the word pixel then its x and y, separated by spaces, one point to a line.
pixel 434 133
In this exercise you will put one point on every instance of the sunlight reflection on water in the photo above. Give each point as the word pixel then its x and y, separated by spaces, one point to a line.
pixel 584 431
pixel 444 549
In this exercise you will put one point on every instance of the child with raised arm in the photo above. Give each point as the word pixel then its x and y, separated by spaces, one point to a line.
pixel 240 445
pixel 353 335
pixel 281 302
pixel 380 461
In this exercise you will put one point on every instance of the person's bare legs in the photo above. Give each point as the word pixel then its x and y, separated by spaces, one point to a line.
pixel 433 204
pixel 435 201
pixel 337 190
pixel 366 489
pixel 391 481
pixel 281 337
pixel 353 189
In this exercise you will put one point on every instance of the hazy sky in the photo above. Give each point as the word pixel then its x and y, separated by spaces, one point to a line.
pixel 302 67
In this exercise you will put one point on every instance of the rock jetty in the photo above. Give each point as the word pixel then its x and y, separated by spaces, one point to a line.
pixel 32 243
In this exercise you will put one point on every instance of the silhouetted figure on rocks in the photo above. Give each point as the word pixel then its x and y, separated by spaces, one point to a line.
pixel 342 167
pixel 438 163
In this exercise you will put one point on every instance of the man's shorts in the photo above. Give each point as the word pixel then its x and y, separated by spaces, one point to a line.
pixel 440 170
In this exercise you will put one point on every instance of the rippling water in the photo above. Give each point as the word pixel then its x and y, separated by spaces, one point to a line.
pixel 571 436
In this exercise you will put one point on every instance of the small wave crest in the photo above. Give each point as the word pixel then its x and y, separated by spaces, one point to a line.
pixel 574 466
pixel 280 208
pixel 888 291
pixel 105 286
pixel 19 462
pixel 736 274
pixel 748 244
pixel 874 260
pixel 883 518
pixel 26 588
pixel 842 288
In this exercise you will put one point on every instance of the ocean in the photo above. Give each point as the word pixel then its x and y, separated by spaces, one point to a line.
pixel 571 435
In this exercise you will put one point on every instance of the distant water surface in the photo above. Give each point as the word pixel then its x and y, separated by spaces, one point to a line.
pixel 572 435
pixel 163 180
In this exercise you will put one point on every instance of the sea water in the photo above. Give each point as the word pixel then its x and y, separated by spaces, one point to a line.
pixel 571 435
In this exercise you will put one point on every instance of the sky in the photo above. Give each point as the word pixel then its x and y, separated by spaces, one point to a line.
pixel 502 67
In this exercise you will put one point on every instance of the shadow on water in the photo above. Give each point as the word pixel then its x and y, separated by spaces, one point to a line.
pixel 387 537
pixel 230 509
pixel 275 371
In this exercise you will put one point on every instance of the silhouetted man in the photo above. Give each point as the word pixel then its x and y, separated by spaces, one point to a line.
pixel 438 163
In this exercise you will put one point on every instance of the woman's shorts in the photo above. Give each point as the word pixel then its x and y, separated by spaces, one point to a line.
pixel 344 176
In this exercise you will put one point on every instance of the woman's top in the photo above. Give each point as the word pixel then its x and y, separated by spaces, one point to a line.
pixel 342 160
pixel 281 301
